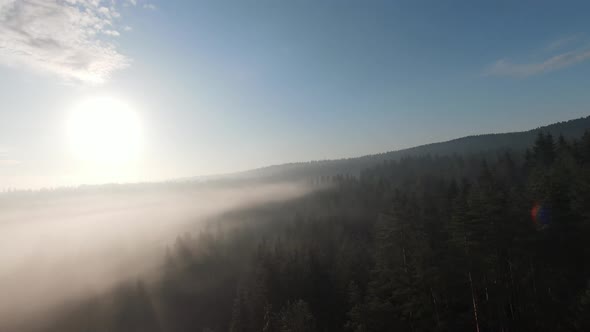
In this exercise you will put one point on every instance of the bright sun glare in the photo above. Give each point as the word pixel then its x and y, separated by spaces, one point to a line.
pixel 104 131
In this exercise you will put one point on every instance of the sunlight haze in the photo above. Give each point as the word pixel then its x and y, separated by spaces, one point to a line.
pixel 223 86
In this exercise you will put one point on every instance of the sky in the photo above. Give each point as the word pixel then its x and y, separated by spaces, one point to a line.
pixel 222 86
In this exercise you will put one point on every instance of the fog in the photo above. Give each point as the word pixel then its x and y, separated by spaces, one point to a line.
pixel 58 247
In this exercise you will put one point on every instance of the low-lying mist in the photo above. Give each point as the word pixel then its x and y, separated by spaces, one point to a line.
pixel 58 247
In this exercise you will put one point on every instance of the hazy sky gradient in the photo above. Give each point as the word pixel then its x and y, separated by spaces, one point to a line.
pixel 225 86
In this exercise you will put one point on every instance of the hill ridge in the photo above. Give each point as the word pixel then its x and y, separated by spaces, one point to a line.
pixel 517 140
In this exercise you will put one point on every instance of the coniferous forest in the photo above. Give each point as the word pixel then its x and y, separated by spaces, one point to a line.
pixel 494 241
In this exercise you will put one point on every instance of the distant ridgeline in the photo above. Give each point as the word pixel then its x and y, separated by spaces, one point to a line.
pixel 484 145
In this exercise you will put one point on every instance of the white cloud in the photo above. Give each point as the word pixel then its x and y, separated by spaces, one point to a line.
pixel 114 33
pixel 504 67
pixel 65 37
pixel 149 6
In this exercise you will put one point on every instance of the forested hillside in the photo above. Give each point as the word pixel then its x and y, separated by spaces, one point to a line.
pixel 493 241
pixel 516 142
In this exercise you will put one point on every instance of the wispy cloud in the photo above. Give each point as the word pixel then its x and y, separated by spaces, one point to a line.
pixel 70 38
pixel 149 6
pixel 561 42
pixel 505 67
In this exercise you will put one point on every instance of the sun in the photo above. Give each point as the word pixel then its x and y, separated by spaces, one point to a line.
pixel 104 131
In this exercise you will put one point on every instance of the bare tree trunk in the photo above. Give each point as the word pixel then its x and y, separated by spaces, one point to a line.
pixel 474 303
pixel 435 309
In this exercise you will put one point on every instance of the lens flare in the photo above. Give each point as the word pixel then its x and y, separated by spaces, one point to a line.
pixel 540 215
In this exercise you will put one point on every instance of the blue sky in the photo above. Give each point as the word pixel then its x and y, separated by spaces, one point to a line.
pixel 224 86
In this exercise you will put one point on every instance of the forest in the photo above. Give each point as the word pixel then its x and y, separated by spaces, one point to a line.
pixel 490 241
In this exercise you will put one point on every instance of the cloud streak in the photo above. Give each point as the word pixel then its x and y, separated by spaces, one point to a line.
pixel 561 43
pixel 505 67
pixel 69 38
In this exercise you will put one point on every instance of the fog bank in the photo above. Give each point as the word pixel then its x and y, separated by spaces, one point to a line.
pixel 59 247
